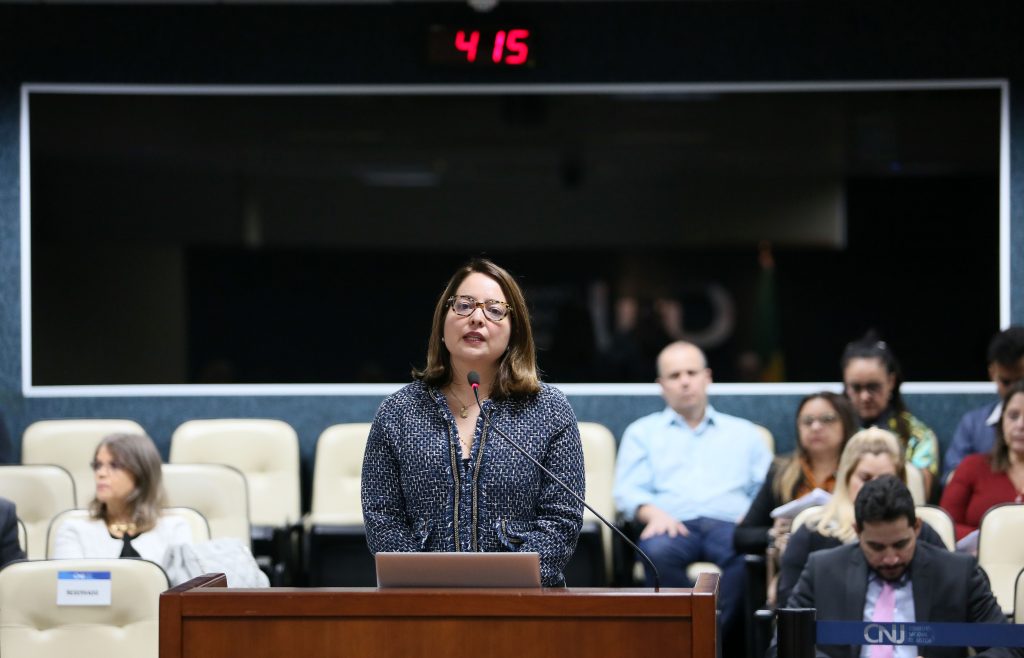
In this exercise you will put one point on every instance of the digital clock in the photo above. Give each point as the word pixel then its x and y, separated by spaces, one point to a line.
pixel 508 46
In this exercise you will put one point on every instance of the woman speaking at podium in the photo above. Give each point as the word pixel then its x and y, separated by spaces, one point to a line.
pixel 437 477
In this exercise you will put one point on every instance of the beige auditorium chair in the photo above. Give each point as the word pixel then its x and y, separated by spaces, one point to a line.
pixel 40 492
pixel 599 464
pixel 22 537
pixel 71 443
pixel 266 451
pixel 336 539
pixel 940 521
pixel 216 491
pixel 196 521
pixel 766 436
pixel 1001 549
pixel 32 625
pixel 915 483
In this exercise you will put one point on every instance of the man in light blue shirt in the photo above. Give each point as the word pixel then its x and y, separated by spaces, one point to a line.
pixel 688 474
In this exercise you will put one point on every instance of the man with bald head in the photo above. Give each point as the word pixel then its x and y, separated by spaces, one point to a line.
pixel 688 474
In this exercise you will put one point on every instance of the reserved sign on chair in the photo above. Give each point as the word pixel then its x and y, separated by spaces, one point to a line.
pixel 83 588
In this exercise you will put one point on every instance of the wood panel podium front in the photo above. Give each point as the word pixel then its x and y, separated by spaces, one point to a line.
pixel 202 618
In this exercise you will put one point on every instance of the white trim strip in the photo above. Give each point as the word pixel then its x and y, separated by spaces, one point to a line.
pixel 26 251
pixel 464 89
pixel 567 89
pixel 1004 209
pixel 628 390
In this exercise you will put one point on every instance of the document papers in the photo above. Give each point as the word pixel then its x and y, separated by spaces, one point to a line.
pixel 794 507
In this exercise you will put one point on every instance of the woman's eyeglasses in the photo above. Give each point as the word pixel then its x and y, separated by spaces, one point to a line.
pixel 112 466
pixel 824 419
pixel 872 388
pixel 494 310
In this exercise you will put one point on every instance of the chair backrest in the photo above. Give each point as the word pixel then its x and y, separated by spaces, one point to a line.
pixel 337 475
pixel 22 537
pixel 766 436
pixel 940 521
pixel 599 473
pixel 216 491
pixel 72 444
pixel 1018 609
pixel 196 521
pixel 915 483
pixel 32 624
pixel 802 517
pixel 1001 549
pixel 40 492
pixel 266 451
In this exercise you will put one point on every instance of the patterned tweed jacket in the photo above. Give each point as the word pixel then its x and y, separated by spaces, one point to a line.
pixel 418 495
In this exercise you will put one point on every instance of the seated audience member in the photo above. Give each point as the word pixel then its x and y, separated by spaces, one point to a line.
pixel 688 474
pixel 869 454
pixel 871 379
pixel 824 422
pixel 125 514
pixel 891 576
pixel 976 430
pixel 982 481
pixel 10 549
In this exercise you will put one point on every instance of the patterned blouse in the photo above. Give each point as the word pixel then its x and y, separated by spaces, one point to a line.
pixel 922 446
pixel 418 497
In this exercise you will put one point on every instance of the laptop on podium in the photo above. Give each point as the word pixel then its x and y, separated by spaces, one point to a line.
pixel 458 569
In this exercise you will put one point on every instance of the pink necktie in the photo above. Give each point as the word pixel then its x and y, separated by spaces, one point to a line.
pixel 885 611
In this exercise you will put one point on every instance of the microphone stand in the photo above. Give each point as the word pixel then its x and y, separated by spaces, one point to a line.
pixel 474 383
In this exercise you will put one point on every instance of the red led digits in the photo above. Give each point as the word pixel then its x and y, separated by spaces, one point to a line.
pixel 509 47
pixel 468 46
pixel 517 47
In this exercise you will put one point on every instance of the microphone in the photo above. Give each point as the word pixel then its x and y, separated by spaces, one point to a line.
pixel 474 382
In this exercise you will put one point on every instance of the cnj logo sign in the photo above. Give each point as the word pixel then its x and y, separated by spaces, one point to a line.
pixel 885 634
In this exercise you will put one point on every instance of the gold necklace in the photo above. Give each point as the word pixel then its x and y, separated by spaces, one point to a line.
pixel 122 528
pixel 464 411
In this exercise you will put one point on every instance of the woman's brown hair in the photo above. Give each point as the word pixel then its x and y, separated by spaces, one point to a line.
pixel 789 477
pixel 1000 456
pixel 517 367
pixel 136 454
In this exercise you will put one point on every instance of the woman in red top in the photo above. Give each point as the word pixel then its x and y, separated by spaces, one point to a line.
pixel 981 481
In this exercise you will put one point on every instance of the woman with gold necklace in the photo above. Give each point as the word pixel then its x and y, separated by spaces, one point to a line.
pixel 435 477
pixel 125 514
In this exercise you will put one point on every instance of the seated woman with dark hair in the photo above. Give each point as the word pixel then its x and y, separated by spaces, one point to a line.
pixel 869 454
pixel 871 379
pixel 981 481
pixel 125 514
pixel 824 423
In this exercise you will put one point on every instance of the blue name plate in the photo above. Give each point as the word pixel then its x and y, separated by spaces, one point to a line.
pixel 939 634
pixel 83 588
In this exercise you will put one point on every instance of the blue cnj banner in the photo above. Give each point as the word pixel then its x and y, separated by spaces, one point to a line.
pixel 920 634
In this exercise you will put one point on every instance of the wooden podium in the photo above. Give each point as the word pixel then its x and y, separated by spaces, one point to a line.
pixel 202 618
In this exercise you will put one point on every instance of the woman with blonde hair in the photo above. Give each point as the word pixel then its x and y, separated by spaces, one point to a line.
pixel 869 453
pixel 125 519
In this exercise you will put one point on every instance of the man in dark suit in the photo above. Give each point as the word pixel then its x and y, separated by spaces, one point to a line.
pixel 889 576
pixel 10 549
